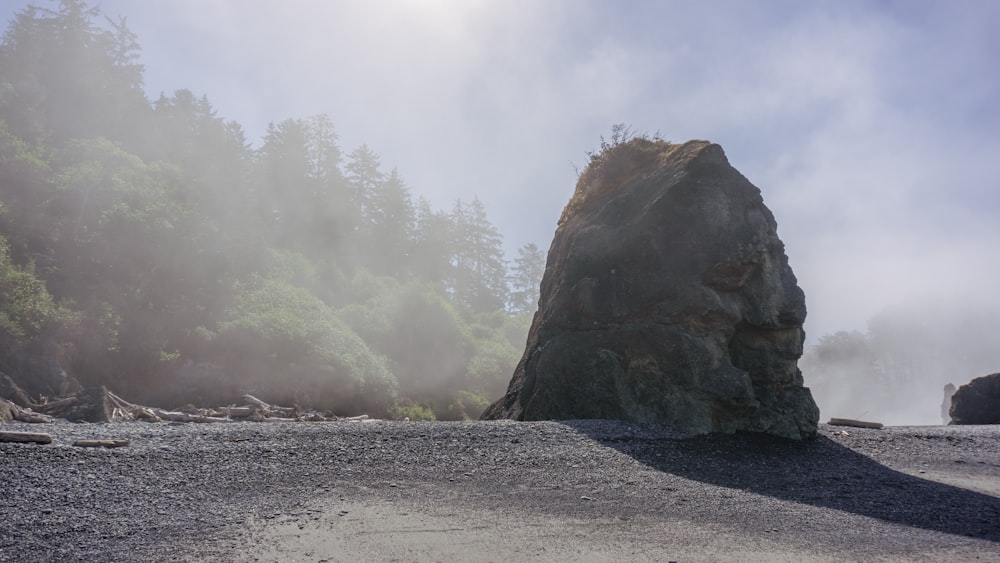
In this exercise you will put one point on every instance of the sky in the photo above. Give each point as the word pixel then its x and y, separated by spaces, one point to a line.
pixel 871 127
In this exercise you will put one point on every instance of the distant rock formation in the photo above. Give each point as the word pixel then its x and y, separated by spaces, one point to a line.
pixel 949 392
pixel 667 297
pixel 977 402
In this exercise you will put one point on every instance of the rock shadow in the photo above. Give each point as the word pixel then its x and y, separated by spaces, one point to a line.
pixel 817 472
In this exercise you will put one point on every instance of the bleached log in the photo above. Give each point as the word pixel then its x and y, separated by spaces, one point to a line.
pixel 52 407
pixel 174 416
pixel 854 423
pixel 234 412
pixel 33 437
pixel 122 410
pixel 122 403
pixel 146 413
pixel 256 402
pixel 28 415
pixel 101 443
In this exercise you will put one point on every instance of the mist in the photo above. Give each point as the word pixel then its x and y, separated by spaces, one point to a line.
pixel 870 130
pixel 895 371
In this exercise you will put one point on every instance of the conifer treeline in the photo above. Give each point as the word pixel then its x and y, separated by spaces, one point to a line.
pixel 149 247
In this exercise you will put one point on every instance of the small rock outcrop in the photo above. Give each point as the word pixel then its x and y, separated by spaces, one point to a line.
pixel 977 402
pixel 667 297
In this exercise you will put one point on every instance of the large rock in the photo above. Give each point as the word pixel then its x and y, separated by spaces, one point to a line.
pixel 977 402
pixel 667 297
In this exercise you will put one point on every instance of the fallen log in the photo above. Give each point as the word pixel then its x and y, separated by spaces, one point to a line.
pixel 235 412
pixel 256 402
pixel 25 415
pixel 101 443
pixel 145 413
pixel 98 404
pixel 34 437
pixel 54 407
pixel 174 416
pixel 854 423
pixel 270 410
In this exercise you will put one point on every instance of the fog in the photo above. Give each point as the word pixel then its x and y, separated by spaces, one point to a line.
pixel 895 371
pixel 869 127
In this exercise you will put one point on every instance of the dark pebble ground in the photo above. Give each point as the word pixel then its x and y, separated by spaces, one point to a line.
pixel 204 492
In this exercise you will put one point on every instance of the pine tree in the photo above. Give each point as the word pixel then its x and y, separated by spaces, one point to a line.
pixel 526 275
pixel 284 179
pixel 479 278
pixel 68 78
pixel 364 177
pixel 430 258
pixel 392 222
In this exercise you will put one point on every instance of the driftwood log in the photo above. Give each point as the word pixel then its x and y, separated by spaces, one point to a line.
pixel 854 423
pixel 98 404
pixel 101 443
pixel 24 414
pixel 33 437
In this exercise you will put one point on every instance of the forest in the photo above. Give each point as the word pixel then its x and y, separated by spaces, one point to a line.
pixel 147 246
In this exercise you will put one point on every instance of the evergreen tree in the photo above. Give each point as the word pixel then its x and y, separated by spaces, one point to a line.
pixel 364 177
pixel 333 217
pixel 65 77
pixel 430 258
pixel 525 278
pixel 480 271
pixel 392 222
pixel 324 152
pixel 303 195
pixel 283 161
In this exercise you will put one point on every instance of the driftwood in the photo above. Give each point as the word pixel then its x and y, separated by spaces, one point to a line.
pixel 35 437
pixel 98 404
pixel 254 410
pixel 25 414
pixel 854 423
pixel 101 443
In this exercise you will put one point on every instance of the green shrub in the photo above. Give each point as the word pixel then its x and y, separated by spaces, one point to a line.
pixel 406 409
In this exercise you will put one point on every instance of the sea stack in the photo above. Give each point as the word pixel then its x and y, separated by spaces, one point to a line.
pixel 667 297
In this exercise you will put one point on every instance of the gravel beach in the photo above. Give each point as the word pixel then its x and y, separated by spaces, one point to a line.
pixel 497 491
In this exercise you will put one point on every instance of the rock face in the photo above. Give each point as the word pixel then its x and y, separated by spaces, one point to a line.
pixel 667 297
pixel 977 402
